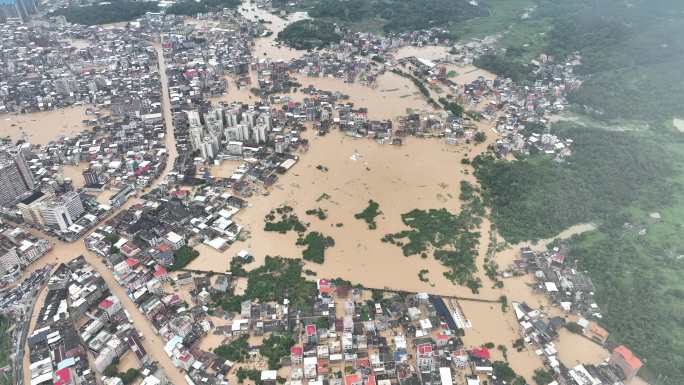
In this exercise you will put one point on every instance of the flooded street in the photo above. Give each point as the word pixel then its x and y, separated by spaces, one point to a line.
pixel 64 252
pixel 339 175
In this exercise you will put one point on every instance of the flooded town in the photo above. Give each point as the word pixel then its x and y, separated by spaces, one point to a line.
pixel 189 200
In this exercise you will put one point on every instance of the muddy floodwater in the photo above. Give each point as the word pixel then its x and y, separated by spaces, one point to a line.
pixel 268 47
pixel 421 174
pixel 432 52
pixel 339 175
pixel 43 127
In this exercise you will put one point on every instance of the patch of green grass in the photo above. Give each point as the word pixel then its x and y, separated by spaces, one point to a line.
pixel 277 279
pixel 282 220
pixel 452 238
pixel 182 257
pixel 369 214
pixel 318 213
pixel 322 197
pixel 5 345
pixel 275 347
pixel 315 243
pixel 422 275
pixel 536 198
pixel 502 13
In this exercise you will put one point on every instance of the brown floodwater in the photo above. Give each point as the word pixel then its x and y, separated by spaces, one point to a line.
pixel 75 172
pixel 63 252
pixel 431 52
pixel 267 47
pixel 43 127
pixel 420 174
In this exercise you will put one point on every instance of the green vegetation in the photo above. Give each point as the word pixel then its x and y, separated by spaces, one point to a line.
pixel 535 197
pixel 639 285
pixel 114 12
pixel 237 266
pixel 504 303
pixel 369 213
pixel 501 14
pixel 615 179
pixel 127 377
pixel 573 327
pixel 504 372
pixel 419 84
pixel 322 323
pixel 519 344
pixel 182 257
pixel 236 351
pixel 288 221
pixel 397 15
pixel 452 237
pixel 309 34
pixel 252 374
pixel 631 56
pixel 275 348
pixel 5 346
pixel 511 64
pixel 480 137
pixel 112 238
pixel 278 279
pixel 630 52
pixel 191 7
pixel 322 197
pixel 451 106
pixel 543 377
pixel 504 351
pixel 422 275
pixel 319 213
pixel 315 243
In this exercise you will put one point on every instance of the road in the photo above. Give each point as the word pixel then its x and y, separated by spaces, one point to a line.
pixel 64 252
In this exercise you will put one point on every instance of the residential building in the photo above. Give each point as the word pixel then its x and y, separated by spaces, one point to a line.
pixel 63 211
pixel 9 258
pixel 15 177
pixel 30 207
pixel 623 358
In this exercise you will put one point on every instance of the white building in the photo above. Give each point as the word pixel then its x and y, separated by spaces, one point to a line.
pixel 62 212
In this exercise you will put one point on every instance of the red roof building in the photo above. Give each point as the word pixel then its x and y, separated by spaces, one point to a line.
pixel 106 304
pixel 160 272
pixel 481 353
pixel 352 379
pixel 132 262
pixel 296 354
pixel 63 377
pixel 325 287
pixel 627 361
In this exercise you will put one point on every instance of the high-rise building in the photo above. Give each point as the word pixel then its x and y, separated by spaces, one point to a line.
pixel 17 9
pixel 9 258
pixel 193 118
pixel 196 137
pixel 15 177
pixel 31 206
pixel 63 211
